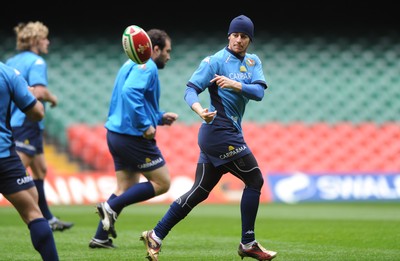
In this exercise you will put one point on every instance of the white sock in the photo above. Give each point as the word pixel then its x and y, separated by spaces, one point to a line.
pixel 52 220
pixel 100 241
pixel 109 209
pixel 249 245
pixel 156 238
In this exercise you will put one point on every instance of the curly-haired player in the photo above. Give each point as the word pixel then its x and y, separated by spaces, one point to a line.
pixel 32 40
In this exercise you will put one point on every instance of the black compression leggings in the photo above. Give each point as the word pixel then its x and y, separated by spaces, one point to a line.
pixel 207 176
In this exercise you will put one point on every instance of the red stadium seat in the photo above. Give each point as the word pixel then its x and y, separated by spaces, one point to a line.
pixel 319 147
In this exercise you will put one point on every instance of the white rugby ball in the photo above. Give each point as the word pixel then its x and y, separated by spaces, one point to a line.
pixel 136 44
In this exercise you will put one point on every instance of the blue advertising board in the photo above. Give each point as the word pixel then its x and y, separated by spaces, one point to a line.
pixel 301 187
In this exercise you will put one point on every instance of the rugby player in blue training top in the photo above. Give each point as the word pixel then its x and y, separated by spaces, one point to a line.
pixel 15 184
pixel 232 77
pixel 133 117
pixel 32 40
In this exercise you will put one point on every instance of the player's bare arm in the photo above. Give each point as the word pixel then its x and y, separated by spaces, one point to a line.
pixel 203 112
pixel 43 93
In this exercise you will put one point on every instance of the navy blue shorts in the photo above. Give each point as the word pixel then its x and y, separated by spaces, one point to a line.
pixel 134 153
pixel 13 175
pixel 220 144
pixel 28 140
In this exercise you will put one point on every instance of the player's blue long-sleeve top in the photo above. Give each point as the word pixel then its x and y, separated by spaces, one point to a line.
pixel 134 104
pixel 13 89
pixel 34 69
pixel 229 104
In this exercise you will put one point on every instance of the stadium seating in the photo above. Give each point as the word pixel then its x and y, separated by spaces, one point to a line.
pixel 328 96
pixel 341 147
pixel 311 78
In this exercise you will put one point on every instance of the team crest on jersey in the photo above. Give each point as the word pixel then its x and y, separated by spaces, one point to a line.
pixel 250 62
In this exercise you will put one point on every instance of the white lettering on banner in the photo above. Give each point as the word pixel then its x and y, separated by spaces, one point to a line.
pixel 180 186
pixel 80 189
pixel 63 191
pixel 356 187
pixel 51 194
pixel 295 188
pixel 106 185
pixel 91 188
pixel 304 187
pixel 84 189
pixel 384 190
pixel 396 182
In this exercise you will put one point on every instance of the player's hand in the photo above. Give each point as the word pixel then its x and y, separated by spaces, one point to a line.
pixel 43 94
pixel 53 101
pixel 225 83
pixel 150 133
pixel 169 118
pixel 207 116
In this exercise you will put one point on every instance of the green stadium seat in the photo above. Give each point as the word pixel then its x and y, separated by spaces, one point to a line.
pixel 328 93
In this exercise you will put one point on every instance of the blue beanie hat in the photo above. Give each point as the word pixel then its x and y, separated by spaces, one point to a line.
pixel 242 24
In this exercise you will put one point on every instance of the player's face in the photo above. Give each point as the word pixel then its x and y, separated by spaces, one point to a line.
pixel 164 55
pixel 238 43
pixel 43 45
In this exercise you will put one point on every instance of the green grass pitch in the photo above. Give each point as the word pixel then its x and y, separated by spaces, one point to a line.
pixel 306 231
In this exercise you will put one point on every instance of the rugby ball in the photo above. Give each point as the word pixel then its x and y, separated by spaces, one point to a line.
pixel 136 44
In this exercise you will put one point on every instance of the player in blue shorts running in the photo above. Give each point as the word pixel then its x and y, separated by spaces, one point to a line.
pixel 233 77
pixel 134 115
pixel 15 183
pixel 32 40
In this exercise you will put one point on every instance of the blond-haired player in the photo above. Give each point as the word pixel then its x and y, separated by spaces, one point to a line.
pixel 32 41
